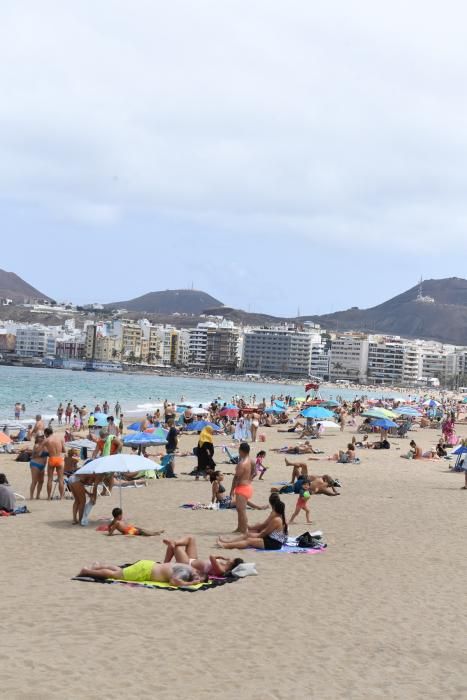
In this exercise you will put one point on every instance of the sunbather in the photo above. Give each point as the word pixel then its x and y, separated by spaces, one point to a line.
pixel 145 570
pixel 271 537
pixel 304 449
pixel 185 552
pixel 118 524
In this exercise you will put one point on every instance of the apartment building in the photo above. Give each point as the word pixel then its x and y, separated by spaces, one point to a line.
pixel 348 357
pixel 393 360
pixel 35 341
pixel 222 348
pixel 278 350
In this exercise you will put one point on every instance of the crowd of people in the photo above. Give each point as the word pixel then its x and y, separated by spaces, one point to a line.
pixel 55 464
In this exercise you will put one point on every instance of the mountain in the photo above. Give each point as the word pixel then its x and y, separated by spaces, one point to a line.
pixel 182 301
pixel 443 319
pixel 13 287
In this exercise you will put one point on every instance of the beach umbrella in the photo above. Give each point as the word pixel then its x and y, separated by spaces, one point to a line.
pixel 144 439
pixel 135 426
pixel 78 444
pixel 199 425
pixel 4 439
pixel 464 399
pixel 229 412
pixel 329 424
pixel 118 464
pixel 330 404
pixel 383 423
pixel 459 451
pixel 431 403
pixel 408 411
pixel 379 413
pixel 317 412
pixel 100 420
pixel 274 409
pixel 280 404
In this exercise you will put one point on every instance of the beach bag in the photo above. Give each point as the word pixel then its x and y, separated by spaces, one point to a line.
pixel 306 541
pixel 24 456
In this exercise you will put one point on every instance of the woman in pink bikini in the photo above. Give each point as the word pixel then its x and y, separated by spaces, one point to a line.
pixel 185 551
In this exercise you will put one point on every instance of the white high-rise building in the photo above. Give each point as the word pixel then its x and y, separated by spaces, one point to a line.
pixel 278 350
pixel 348 357
pixel 35 341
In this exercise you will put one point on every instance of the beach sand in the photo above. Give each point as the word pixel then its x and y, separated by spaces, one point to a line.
pixel 381 614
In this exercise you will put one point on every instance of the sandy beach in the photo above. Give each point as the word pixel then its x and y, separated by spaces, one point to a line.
pixel 380 614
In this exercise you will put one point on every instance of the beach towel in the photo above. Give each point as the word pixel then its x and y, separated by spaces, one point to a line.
pixel 291 546
pixel 17 511
pixel 208 585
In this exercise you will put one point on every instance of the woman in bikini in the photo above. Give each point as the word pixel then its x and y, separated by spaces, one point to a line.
pixel 271 537
pixel 37 465
pixel 185 551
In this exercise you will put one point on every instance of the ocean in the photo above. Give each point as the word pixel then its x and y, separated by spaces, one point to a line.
pixel 41 390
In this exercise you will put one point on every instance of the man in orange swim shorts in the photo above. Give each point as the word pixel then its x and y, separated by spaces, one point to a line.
pixel 55 447
pixel 242 488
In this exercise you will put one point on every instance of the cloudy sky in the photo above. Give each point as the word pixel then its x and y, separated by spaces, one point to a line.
pixel 274 154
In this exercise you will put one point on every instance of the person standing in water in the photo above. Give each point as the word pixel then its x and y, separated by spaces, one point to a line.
pixel 242 489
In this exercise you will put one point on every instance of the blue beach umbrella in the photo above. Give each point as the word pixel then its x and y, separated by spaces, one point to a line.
pixel 100 420
pixel 407 411
pixel 135 426
pixel 317 412
pixel 199 425
pixel 460 451
pixel 274 409
pixel 384 423
pixel 144 440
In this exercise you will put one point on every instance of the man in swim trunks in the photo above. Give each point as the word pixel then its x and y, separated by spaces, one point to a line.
pixel 242 488
pixel 146 570
pixel 55 446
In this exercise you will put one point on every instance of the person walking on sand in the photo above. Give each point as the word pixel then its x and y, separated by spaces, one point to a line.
pixel 54 445
pixel 242 488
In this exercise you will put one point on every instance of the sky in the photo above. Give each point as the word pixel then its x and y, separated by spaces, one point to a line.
pixel 280 156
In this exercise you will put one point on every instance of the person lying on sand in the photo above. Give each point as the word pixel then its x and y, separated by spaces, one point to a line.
pixel 318 484
pixel 271 537
pixel 119 525
pixel 185 551
pixel 304 449
pixel 146 570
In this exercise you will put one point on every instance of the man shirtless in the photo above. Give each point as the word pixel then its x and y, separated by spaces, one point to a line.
pixel 55 446
pixel 38 428
pixel 242 488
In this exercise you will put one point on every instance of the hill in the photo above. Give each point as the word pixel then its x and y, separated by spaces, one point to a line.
pixel 171 301
pixel 444 319
pixel 13 287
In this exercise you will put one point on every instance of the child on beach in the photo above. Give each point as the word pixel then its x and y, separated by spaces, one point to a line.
pixel 118 524
pixel 259 466
pixel 302 502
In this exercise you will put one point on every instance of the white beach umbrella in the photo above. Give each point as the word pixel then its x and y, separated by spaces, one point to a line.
pixel 78 444
pixel 329 424
pixel 118 464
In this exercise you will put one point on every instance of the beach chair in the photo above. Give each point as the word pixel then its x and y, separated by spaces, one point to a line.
pixel 21 437
pixel 67 493
pixel 231 458
pixel 403 429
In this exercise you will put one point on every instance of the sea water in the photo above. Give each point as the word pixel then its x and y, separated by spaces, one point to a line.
pixel 41 390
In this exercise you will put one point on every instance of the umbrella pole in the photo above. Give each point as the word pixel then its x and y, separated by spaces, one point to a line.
pixel 120 488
